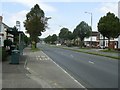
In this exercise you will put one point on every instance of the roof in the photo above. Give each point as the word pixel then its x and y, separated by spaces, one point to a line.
pixel 11 32
pixel 5 25
pixel 95 33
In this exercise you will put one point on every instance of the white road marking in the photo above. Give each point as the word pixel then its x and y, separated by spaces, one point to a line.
pixel 40 59
pixel 91 62
pixel 66 72
pixel 71 55
pixel 43 56
pixel 38 56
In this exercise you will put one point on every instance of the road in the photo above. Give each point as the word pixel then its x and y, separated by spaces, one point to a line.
pixel 90 70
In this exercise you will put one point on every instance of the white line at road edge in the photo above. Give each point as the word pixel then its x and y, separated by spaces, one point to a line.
pixel 65 71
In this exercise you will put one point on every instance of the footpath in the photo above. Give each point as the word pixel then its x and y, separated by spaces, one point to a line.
pixel 14 76
pixel 36 70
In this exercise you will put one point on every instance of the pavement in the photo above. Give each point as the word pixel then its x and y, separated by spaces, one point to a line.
pixel 36 70
pixel 14 76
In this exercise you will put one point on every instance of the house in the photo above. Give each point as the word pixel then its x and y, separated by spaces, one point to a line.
pixel 103 42
pixel 119 42
pixel 3 34
pixel 92 40
pixel 98 41
pixel 119 18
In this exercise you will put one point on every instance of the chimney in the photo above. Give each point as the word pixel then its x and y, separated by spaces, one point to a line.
pixel 1 18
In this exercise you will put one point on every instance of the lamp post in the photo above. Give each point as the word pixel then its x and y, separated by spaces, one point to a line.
pixel 18 27
pixel 91 27
pixel 20 35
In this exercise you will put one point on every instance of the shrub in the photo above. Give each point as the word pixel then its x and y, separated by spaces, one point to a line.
pixel 0 53
pixel 7 42
pixel 4 54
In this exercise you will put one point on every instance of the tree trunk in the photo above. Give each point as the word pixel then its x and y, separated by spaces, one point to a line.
pixel 108 43
pixel 103 42
pixel 73 41
pixel 35 45
pixel 82 43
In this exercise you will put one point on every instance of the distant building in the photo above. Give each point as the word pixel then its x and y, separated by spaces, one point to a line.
pixel 93 39
pixel 99 42
pixel 3 34
pixel 103 42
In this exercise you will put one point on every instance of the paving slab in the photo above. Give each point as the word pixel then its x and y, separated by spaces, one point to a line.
pixel 14 76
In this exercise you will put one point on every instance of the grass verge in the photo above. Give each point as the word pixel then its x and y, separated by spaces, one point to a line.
pixel 110 51
pixel 93 53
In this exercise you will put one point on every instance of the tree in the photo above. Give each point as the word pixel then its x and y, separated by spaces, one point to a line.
pixel 63 35
pixel 35 23
pixel 70 35
pixel 48 39
pixel 82 30
pixel 53 38
pixel 26 40
pixel 7 42
pixel 109 26
pixel 16 34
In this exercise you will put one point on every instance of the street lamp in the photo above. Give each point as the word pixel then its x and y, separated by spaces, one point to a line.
pixel 91 26
pixel 18 27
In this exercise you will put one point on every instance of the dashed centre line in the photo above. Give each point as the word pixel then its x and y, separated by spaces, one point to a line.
pixel 91 62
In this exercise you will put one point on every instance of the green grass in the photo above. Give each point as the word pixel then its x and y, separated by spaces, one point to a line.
pixel 84 48
pixel 93 53
pixel 111 51
pixel 1 53
pixel 0 49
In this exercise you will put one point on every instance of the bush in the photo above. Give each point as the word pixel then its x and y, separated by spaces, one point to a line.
pixel 69 45
pixel 4 54
pixel 7 42
pixel 0 53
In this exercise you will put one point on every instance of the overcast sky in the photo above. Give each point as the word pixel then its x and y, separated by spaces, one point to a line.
pixel 64 13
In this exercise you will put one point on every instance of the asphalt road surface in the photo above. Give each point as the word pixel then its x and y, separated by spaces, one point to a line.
pixel 90 70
